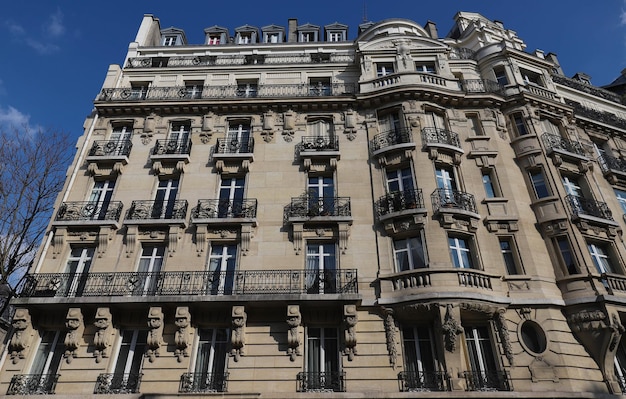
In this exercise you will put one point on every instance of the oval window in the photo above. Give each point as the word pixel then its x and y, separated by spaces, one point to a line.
pixel 533 337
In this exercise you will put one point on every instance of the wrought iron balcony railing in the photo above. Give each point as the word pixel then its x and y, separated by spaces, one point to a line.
pixel 487 381
pixel 248 282
pixel 608 163
pixel 307 207
pixel 621 380
pixel 480 86
pixel 172 147
pixel 225 208
pixel 319 143
pixel 400 201
pixel 597 116
pixel 584 206
pixel 154 210
pixel 33 384
pixel 118 383
pixel 203 382
pixel 435 135
pixel 391 137
pixel 443 198
pixel 554 141
pixel 86 210
pixel 235 146
pixel 223 60
pixel 330 381
pixel 587 88
pixel 420 381
pixel 110 148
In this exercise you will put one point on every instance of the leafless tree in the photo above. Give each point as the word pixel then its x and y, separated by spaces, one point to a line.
pixel 32 173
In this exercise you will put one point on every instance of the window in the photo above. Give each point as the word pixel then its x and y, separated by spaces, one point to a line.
pixel 321 195
pixel 99 199
pixel 619 362
pixel 531 77
pixel 322 360
pixel 337 36
pixel 482 361
pixel 273 37
pixel 138 91
pixel 121 133
pixel 426 67
pixel 244 38
pixel 410 253
pixel 509 255
pixel 400 180
pixel 434 120
pixel 307 37
pixel 247 88
pixel 538 182
pixel 213 40
pixel 231 197
pixel 565 255
pixel 519 125
pixel 444 175
pixel 475 126
pixel 600 253
pixel 193 89
pixel 129 361
pixel 149 268
pixel 384 68
pixel 165 199
pixel 500 75
pixel 170 40
pixel 319 86
pixel 621 198
pixel 461 252
pixel 48 358
pixel 489 183
pixel 238 139
pixel 77 270
pixel 419 360
pixel 222 264
pixel 575 194
pixel 321 266
pixel 210 361
pixel 179 133
pixel 550 127
pixel 389 123
pixel 320 128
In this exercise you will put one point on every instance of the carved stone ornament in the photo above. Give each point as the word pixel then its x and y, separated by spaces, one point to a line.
pixel 503 332
pixel 390 337
pixel 350 121
pixel 237 338
pixel 350 318
pixel 208 127
pixel 22 334
pixel 289 125
pixel 101 339
pixel 149 126
pixel 451 328
pixel 76 326
pixel 182 321
pixel 294 318
pixel 155 332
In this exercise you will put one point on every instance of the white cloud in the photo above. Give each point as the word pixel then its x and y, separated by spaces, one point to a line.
pixel 52 29
pixel 41 47
pixel 54 25
pixel 14 28
pixel 13 117
pixel 622 18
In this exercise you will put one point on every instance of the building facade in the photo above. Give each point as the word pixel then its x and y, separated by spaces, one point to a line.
pixel 286 213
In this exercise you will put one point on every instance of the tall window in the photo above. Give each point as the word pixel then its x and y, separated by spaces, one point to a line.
pixel 238 138
pixel 319 86
pixel 538 181
pixel 619 362
pixel 489 183
pixel 481 356
pixel 444 175
pixel 222 265
pixel 500 75
pixel 321 193
pixel 100 198
pixel 129 361
pixel 531 77
pixel 77 270
pixel 509 255
pixel 461 252
pixel 384 68
pixel 165 199
pixel 179 134
pixel 389 122
pixel 121 133
pixel 564 252
pixel 621 198
pixel 519 124
pixel 230 196
pixel 600 254
pixel 419 359
pixel 434 119
pixel 476 128
pixel 210 362
pixel 150 264
pixel 321 268
pixel 49 354
pixel 409 253
pixel 322 359
pixel 399 180
pixel 337 36
pixel 193 89
pixel 320 128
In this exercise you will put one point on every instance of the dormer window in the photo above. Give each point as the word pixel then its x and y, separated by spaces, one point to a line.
pixel 336 32
pixel 173 37
pixel 531 77
pixel 213 40
pixel 337 36
pixel 384 68
pixel 244 38
pixel 307 37
pixel 170 40
pixel 425 67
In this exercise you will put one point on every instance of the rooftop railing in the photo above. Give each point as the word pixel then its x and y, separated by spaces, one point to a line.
pixel 228 60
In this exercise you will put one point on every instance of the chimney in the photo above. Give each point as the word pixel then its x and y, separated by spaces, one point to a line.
pixel 557 67
pixel 292 26
pixel 431 28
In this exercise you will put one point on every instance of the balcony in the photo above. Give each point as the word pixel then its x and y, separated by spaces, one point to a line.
pixel 118 383
pixel 172 147
pixel 399 201
pixel 234 146
pixel 111 148
pixel 141 284
pixel 444 199
pixel 395 139
pixel 561 148
pixel 597 116
pixel 437 140
pixel 614 169
pixel 203 382
pixel 487 381
pixel 423 381
pixel 319 153
pixel 319 144
pixel 590 212
pixel 225 60
pixel 33 384
pixel 540 91
pixel 470 86
pixel 79 212
pixel 225 209
pixel 157 210
pixel 587 88
pixel 319 208
pixel 330 381
pixel 462 53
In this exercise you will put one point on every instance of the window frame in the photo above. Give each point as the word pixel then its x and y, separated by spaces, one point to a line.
pixel 511 256
pixel 409 250
pixel 500 75
pixel 604 257
pixel 426 67
pixel 49 353
pixel 534 183
pixel 563 251
pixel 207 372
pixel 227 256
pixel 457 252
pixel 492 185
pixel 475 125
pixel 519 124
pixel 385 68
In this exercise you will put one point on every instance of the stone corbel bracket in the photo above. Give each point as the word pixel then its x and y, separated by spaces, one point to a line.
pixel 181 337
pixel 22 334
pixel 238 333
pixel 451 328
pixel 101 339
pixel 75 325
pixel 155 332
pixel 350 319
pixel 294 318
pixel 390 337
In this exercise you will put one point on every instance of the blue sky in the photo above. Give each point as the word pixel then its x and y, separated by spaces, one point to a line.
pixel 56 52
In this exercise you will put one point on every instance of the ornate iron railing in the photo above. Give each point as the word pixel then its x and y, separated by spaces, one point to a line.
pixel 198 61
pixel 310 206
pixel 587 88
pixel 225 208
pixel 248 282
pixel 480 86
pixel 146 210
pixel 419 381
pixel 392 137
pixel 118 383
pixel 608 163
pixel 86 210
pixel 584 206
pixel 554 141
pixel 167 147
pixel 330 381
pixel 462 53
pixel 230 145
pixel 400 201
pixel 443 198
pixel 33 384
pixel 606 117
pixel 319 143
pixel 435 135
pixel 110 148
pixel 621 380
pixel 487 381
pixel 219 92
pixel 203 382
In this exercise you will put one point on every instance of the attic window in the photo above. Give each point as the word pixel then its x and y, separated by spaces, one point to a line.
pixel 213 40
pixel 170 40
